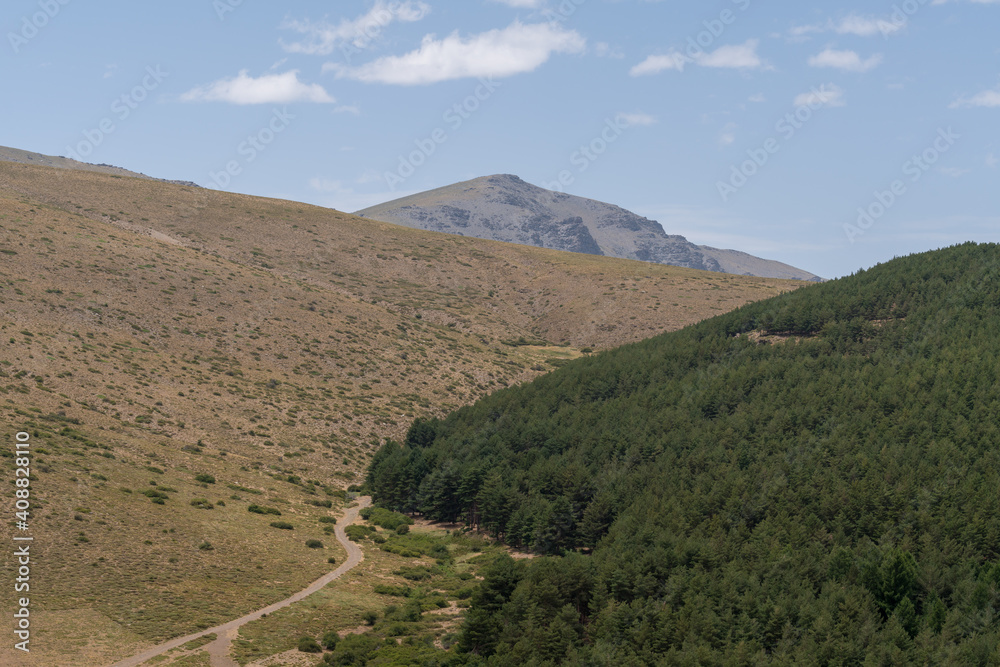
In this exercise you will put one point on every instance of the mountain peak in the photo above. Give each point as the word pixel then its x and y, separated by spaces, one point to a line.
pixel 504 207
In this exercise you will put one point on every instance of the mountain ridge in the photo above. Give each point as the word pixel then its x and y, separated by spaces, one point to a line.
pixel 157 335
pixel 504 207
pixel 19 156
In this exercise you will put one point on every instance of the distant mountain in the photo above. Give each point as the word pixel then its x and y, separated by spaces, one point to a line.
pixel 506 208
pixel 26 157
pixel 159 332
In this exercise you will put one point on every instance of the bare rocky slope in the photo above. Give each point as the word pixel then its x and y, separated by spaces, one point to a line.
pixel 506 208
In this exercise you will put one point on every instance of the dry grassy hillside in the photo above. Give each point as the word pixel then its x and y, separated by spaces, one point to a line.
pixel 156 332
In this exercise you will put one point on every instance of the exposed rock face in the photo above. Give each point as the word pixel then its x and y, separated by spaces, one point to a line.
pixel 505 208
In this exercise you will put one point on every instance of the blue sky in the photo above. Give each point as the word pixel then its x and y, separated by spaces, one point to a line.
pixel 828 135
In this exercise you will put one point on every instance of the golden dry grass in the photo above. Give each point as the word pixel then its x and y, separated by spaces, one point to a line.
pixel 152 332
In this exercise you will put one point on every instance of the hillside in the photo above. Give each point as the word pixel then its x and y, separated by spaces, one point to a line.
pixel 158 335
pixel 19 156
pixel 505 208
pixel 806 480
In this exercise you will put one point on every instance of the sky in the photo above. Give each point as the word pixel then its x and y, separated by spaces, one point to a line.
pixel 828 135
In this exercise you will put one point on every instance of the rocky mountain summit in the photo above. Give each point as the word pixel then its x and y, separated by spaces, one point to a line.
pixel 506 208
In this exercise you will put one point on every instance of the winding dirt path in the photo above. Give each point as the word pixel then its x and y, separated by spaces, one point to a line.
pixel 219 649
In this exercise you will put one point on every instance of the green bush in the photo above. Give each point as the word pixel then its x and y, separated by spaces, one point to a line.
pixel 259 509
pixel 309 645
pixel 385 518
pixel 202 504
pixel 327 519
pixel 206 546
pixel 283 525
pixel 402 529
pixel 205 478
pixel 369 617
pixel 358 533
pixel 314 544
pixel 330 640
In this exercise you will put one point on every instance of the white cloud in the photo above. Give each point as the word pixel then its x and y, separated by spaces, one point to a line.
pixel 740 56
pixel 846 60
pixel 829 95
pixel 605 50
pixel 636 119
pixel 756 99
pixel 322 38
pixel 524 4
pixel 736 56
pixel 728 135
pixel 853 24
pixel 992 161
pixel 512 50
pixel 987 98
pixel 867 26
pixel 267 89
pixel 351 109
pixel 656 64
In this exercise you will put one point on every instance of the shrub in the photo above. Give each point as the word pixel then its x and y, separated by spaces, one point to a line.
pixel 205 478
pixel 314 544
pixel 385 518
pixel 369 617
pixel 330 640
pixel 283 525
pixel 402 529
pixel 259 509
pixel 309 645
pixel 159 501
pixel 206 546
pixel 327 519
pixel 202 504
pixel 331 560
pixel 358 533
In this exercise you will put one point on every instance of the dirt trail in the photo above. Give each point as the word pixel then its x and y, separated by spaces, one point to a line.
pixel 219 649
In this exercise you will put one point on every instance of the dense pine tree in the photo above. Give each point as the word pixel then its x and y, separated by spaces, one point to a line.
pixel 810 479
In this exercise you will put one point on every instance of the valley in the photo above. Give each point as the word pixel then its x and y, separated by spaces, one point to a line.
pixel 181 355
